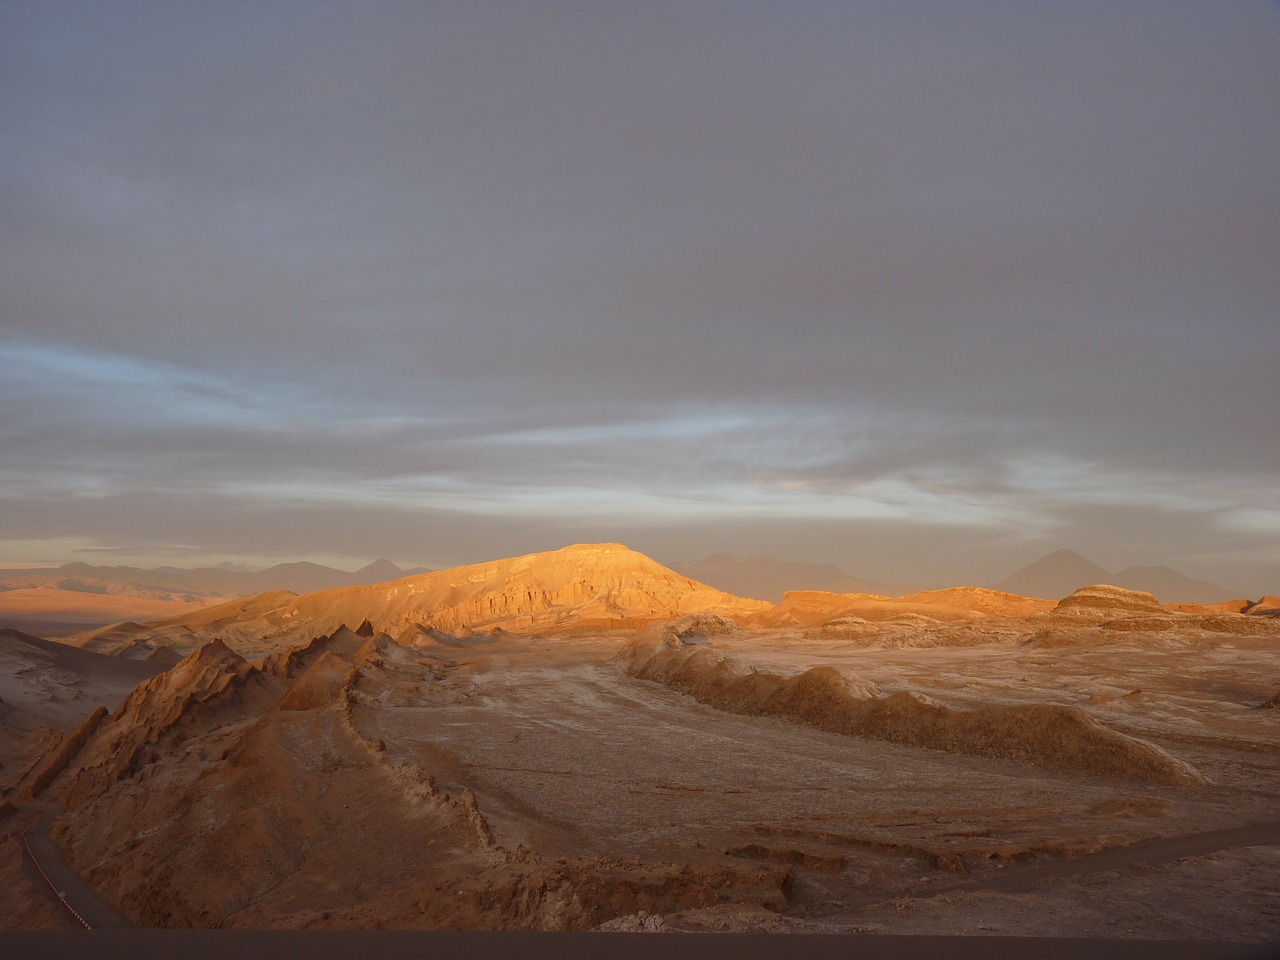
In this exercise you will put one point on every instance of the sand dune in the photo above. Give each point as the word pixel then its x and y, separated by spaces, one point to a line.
pixel 49 684
pixel 47 690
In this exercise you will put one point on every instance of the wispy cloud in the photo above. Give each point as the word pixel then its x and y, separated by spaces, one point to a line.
pixel 855 282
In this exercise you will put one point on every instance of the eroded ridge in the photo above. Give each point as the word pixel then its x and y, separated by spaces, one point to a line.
pixel 1051 736
pixel 229 794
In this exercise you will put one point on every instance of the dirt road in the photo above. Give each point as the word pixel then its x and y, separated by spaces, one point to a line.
pixel 1146 852
pixel 62 883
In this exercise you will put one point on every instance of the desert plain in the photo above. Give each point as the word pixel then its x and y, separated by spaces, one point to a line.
pixel 586 740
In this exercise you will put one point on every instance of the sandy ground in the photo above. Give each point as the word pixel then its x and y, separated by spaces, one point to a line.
pixel 47 689
pixel 569 754
pixel 606 799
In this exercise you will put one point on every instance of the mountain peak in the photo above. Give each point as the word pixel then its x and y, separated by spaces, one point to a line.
pixel 581 586
pixel 1062 554
pixel 1054 576
pixel 1172 587
pixel 379 571
pixel 1064 571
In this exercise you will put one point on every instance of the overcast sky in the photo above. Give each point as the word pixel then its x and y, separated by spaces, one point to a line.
pixel 922 289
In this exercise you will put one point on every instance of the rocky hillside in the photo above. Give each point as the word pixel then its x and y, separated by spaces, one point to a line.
pixel 586 586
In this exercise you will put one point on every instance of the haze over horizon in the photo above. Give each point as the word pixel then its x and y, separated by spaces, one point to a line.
pixel 921 290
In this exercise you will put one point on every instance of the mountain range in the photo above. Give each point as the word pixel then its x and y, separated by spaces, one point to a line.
pixel 585 587
pixel 480 737
pixel 1064 571
pixel 58 600
pixel 765 579
pixel 78 596
pixel 1051 578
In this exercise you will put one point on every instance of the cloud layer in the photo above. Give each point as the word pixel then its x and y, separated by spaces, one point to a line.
pixel 922 289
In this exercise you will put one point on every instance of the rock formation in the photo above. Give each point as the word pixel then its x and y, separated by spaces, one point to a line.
pixel 1048 735
pixel 588 586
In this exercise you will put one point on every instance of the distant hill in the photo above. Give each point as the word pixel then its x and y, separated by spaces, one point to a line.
pixel 47 684
pixel 1171 586
pixel 953 604
pixel 381 571
pixel 764 579
pixel 1054 576
pixel 65 599
pixel 299 577
pixel 1065 571
pixel 580 587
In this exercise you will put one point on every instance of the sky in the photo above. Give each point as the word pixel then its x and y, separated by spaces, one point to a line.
pixel 925 290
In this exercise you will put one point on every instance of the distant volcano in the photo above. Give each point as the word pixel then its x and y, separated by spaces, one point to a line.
pixel 766 579
pixel 1065 571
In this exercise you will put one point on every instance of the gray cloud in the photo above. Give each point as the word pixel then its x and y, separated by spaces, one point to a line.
pixel 925 274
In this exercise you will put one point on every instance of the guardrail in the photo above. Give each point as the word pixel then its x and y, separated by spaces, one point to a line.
pixel 62 897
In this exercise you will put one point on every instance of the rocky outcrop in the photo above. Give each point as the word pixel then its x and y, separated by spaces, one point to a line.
pixel 294 661
pixel 1267 606
pixel 65 753
pixel 1044 735
pixel 165 701
pixel 952 605
pixel 319 686
pixel 1102 602
pixel 1103 614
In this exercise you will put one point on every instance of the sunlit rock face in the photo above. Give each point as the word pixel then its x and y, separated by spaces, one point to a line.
pixel 586 586
pixel 584 739
pixel 1108 602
